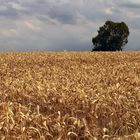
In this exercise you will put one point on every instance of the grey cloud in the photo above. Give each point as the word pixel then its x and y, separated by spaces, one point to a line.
pixel 59 22
pixel 134 24
pixel 129 5
pixel 67 12
pixel 9 12
pixel 63 14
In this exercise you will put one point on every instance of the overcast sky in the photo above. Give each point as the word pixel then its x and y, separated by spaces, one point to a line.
pixel 57 25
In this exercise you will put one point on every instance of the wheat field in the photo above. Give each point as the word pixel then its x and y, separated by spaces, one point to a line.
pixel 70 96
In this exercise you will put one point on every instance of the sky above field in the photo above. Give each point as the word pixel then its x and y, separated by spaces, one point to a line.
pixel 57 25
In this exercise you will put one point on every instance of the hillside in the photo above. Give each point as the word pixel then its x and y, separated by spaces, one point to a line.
pixel 70 96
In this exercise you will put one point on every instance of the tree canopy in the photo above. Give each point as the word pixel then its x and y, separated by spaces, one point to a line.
pixel 112 36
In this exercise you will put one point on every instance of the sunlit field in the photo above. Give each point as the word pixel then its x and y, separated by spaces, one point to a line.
pixel 70 96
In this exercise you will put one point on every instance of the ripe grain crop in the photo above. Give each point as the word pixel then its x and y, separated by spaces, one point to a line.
pixel 70 96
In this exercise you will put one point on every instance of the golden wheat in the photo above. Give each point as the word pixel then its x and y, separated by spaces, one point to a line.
pixel 70 96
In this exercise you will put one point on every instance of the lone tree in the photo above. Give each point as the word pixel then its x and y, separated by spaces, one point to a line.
pixel 111 37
